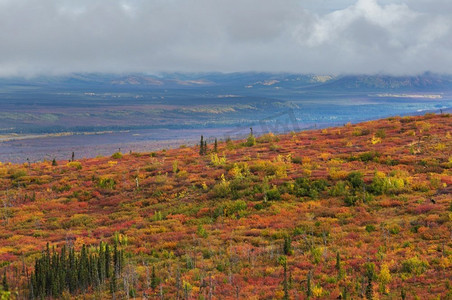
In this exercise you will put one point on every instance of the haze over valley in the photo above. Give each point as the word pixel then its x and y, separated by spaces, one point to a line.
pixel 91 114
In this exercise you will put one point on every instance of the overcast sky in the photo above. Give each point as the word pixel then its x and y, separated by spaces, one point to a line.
pixel 302 36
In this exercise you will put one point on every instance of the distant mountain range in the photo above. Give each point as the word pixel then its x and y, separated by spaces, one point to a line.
pixel 424 82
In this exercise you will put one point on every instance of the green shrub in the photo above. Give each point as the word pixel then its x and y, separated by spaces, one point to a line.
pixel 230 208
pixel 106 183
pixel 16 174
pixel 78 220
pixel 297 160
pixel 117 155
pixel 355 178
pixel 304 187
pixel 250 141
pixel 316 254
pixel 369 156
pixel 381 133
pixel 395 229
pixel 414 266
pixel 201 231
pixel 381 184
pixel 267 138
pixel 273 194
pixel 370 228
pixel 340 189
pixel 222 189
pixel 351 199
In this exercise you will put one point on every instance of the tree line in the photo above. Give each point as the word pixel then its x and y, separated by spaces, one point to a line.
pixel 58 271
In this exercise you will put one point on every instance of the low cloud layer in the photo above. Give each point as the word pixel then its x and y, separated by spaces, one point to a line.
pixel 340 36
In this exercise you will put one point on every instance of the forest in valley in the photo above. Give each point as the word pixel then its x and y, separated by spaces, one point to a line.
pixel 349 212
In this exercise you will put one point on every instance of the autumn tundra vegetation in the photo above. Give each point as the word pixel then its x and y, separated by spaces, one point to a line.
pixel 358 211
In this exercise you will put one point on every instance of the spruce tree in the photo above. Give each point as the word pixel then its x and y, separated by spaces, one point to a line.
pixel 309 287
pixel 107 261
pixel 338 266
pixel 56 272
pixel 5 283
pixel 345 293
pixel 369 289
pixel 154 281
pixel 215 146
pixel 201 146
pixel 287 248
pixel 286 284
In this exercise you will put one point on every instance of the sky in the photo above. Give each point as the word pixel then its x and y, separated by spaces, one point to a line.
pixel 52 37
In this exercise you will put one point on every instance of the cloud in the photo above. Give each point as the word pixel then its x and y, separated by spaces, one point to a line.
pixel 343 36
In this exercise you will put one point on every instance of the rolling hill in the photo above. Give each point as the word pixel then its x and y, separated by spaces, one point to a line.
pixel 357 211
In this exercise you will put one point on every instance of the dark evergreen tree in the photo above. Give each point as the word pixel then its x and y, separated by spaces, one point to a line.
pixel 403 293
pixel 56 272
pixel 370 275
pixel 285 282
pixel 338 266
pixel 5 283
pixel 154 280
pixel 287 247
pixel 309 283
pixel 107 261
pixel 369 289
pixel 201 146
pixel 345 293
pixel 215 146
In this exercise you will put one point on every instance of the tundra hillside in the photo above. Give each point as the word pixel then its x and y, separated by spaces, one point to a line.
pixel 355 211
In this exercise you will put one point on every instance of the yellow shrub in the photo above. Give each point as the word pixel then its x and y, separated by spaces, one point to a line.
pixel 335 174
pixel 279 294
pixel 440 147
pixel 74 164
pixel 216 160
pixel 375 140
pixel 182 174
pixel 317 291
pixel 306 172
pixel 325 156
pixel 269 271
pixel 112 162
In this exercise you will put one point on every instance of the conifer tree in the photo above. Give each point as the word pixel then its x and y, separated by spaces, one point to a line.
pixel 201 146
pixel 345 293
pixel 369 289
pixel 215 146
pixel 287 248
pixel 5 283
pixel 338 266
pixel 107 261
pixel 286 284
pixel 154 280
pixel 309 283
pixel 56 272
